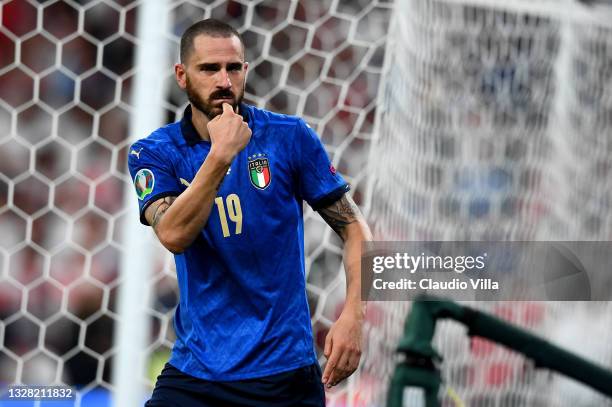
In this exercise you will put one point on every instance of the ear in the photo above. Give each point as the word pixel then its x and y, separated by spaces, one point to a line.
pixel 180 75
pixel 246 68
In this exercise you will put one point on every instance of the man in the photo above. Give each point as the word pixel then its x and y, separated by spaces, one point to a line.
pixel 223 190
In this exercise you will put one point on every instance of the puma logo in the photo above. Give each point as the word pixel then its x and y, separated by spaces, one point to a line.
pixel 184 182
pixel 136 153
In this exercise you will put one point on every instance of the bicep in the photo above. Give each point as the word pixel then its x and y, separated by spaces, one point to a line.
pixel 156 210
pixel 340 214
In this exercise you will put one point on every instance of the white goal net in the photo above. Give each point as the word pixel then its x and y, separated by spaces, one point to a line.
pixel 67 78
pixel 491 124
pixel 494 123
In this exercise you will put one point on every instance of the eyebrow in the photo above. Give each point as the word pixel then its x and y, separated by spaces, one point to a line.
pixel 210 66
pixel 213 66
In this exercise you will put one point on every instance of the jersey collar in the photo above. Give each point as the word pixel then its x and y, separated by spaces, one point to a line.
pixel 190 134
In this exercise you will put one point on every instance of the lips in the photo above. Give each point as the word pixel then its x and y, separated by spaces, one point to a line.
pixel 223 100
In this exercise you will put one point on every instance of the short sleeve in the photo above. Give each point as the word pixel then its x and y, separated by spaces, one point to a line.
pixel 152 176
pixel 319 183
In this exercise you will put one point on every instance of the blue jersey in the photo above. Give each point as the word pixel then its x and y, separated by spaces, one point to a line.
pixel 243 311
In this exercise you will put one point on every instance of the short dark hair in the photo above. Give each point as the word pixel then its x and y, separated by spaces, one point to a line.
pixel 210 27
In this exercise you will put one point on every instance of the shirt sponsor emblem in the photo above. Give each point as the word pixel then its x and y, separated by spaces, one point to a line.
pixel 259 171
pixel 144 182
pixel 136 153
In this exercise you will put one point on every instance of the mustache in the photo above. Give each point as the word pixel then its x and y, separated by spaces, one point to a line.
pixel 221 94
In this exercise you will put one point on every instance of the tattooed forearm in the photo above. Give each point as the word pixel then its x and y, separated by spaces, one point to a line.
pixel 156 211
pixel 340 214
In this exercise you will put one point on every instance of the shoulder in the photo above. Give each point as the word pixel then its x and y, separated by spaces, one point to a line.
pixel 162 142
pixel 272 120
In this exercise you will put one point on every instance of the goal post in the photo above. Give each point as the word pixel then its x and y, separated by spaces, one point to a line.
pixel 137 263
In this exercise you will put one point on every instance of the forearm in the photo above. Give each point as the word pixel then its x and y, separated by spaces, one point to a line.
pixel 343 342
pixel 184 219
pixel 344 217
pixel 356 233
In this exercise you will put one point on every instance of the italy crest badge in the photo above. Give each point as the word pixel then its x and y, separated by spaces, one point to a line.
pixel 259 172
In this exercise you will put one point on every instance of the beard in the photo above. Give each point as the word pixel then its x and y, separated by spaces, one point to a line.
pixel 207 106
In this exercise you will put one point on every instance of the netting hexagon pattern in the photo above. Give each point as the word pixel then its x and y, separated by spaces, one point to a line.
pixel 64 80
pixel 66 70
pixel 502 134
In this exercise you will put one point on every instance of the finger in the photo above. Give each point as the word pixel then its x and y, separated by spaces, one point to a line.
pixel 354 361
pixel 345 360
pixel 227 108
pixel 210 122
pixel 246 127
pixel 330 366
pixel 328 344
pixel 341 370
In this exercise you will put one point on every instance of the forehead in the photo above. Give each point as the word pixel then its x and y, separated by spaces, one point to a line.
pixel 216 49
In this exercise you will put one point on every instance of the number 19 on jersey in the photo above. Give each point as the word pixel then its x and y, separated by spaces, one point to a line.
pixel 234 212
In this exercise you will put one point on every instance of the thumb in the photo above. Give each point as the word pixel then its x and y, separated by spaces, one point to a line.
pixel 227 108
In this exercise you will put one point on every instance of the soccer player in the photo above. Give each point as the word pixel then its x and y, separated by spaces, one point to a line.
pixel 223 190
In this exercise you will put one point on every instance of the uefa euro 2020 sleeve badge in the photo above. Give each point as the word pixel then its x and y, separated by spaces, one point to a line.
pixel 259 171
pixel 144 182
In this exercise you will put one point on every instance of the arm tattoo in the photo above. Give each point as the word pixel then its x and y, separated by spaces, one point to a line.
pixel 340 214
pixel 159 208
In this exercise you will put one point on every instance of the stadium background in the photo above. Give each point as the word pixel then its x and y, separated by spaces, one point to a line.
pixel 66 70
pixel 66 83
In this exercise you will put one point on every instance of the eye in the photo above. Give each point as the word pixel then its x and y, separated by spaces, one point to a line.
pixel 234 67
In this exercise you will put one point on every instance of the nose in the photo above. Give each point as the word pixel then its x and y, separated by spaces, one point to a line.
pixel 225 82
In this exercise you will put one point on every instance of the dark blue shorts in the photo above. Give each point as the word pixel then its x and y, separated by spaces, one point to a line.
pixel 300 387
